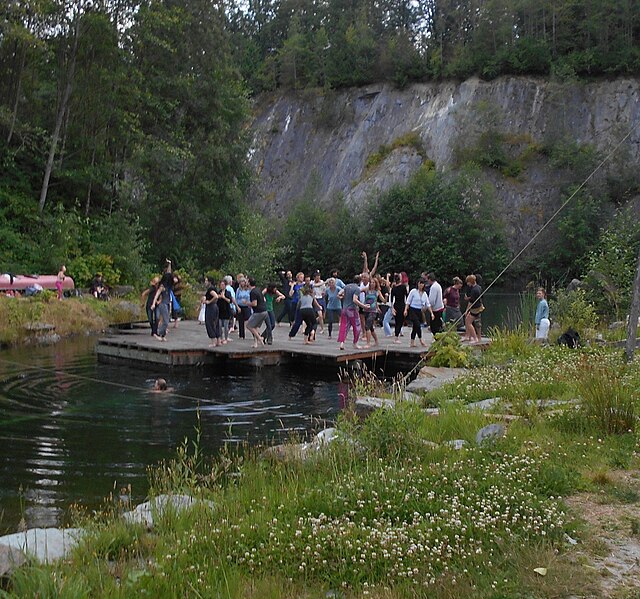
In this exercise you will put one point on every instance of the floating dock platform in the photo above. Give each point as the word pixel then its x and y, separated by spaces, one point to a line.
pixel 188 345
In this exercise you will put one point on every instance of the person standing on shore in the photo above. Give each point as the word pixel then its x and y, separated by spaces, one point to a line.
pixel 60 281
pixel 542 315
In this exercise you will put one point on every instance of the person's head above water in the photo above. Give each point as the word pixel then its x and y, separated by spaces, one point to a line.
pixel 160 385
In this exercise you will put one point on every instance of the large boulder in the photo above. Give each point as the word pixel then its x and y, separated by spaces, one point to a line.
pixel 147 512
pixel 44 544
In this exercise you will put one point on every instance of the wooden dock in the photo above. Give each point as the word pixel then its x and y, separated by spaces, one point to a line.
pixel 188 345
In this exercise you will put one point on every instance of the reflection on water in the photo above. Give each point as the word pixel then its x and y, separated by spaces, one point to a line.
pixel 74 439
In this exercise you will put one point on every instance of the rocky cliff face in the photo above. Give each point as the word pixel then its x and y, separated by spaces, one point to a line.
pixel 310 145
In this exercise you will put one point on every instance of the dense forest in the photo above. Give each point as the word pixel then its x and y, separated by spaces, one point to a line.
pixel 123 123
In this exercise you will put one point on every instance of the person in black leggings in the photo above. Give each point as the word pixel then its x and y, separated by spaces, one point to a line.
pixel 398 298
pixel 417 300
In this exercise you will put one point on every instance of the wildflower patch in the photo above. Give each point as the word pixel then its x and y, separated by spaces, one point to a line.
pixel 396 524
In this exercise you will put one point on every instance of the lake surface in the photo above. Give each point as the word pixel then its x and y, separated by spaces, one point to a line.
pixel 72 430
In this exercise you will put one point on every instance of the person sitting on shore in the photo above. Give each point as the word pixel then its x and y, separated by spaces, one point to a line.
pixel 98 288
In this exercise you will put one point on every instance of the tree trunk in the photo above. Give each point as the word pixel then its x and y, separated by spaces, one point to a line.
pixel 634 313
pixel 14 112
pixel 93 162
pixel 64 102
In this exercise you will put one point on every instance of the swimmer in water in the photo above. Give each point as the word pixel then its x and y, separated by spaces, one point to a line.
pixel 160 386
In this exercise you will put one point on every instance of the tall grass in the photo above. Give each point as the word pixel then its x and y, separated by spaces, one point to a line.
pixel 508 344
pixel 607 403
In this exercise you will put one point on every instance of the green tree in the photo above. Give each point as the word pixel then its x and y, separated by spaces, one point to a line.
pixel 252 248
pixel 191 114
pixel 441 222
pixel 610 266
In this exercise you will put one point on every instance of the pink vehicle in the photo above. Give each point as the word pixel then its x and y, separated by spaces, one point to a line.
pixel 21 282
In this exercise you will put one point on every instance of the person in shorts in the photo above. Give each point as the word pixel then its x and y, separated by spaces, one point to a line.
pixel 259 316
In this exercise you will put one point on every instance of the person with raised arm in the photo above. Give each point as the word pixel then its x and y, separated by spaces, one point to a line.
pixel 349 317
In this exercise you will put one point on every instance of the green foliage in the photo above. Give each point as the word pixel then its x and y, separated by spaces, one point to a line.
pixel 573 309
pixel 448 351
pixel 322 237
pixel 83 269
pixel 393 432
pixel 569 154
pixel 611 266
pixel 508 343
pixel 252 248
pixel 116 542
pixel 453 211
pixel 579 230
pixel 408 140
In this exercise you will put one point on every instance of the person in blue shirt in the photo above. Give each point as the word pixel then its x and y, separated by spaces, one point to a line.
pixel 542 315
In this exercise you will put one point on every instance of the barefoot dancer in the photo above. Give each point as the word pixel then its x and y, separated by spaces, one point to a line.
pixel 372 297
pixel 349 316
pixel 259 305
pixel 308 309
pixel 417 301
pixel 225 301
pixel 212 316
pixel 398 302
pixel 334 305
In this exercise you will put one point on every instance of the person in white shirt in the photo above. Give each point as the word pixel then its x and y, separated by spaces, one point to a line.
pixel 437 304
pixel 319 290
pixel 417 301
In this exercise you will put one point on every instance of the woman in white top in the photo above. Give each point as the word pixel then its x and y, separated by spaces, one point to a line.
pixel 319 289
pixel 417 301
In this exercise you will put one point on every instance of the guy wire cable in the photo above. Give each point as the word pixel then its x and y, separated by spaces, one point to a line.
pixel 549 221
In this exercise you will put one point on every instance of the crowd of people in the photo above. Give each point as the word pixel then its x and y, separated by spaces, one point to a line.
pixel 365 304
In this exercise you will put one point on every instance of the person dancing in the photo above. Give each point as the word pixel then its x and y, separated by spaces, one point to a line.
pixel 349 317
pixel 417 301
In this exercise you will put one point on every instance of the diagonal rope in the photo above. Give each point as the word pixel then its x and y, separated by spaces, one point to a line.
pixel 537 234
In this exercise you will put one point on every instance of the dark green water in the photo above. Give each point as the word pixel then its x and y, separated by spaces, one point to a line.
pixel 72 430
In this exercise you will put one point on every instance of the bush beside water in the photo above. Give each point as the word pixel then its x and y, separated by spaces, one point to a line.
pixel 70 317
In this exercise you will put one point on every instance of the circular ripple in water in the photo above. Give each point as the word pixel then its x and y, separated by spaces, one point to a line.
pixel 68 439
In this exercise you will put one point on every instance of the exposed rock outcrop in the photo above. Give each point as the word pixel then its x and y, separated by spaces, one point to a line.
pixel 318 146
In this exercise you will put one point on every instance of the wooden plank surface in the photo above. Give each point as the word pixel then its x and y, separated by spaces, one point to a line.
pixel 188 343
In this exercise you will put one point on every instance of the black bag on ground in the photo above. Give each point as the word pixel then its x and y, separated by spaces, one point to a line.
pixel 570 338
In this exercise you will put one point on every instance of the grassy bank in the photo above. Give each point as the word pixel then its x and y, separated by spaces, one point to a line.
pixel 384 511
pixel 21 317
